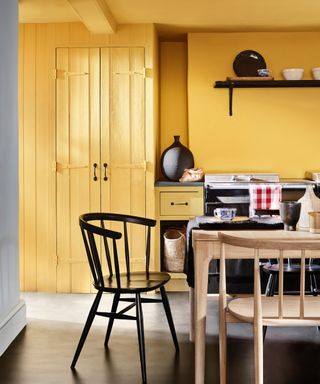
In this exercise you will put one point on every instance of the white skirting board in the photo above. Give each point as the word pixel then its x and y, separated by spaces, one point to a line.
pixel 12 325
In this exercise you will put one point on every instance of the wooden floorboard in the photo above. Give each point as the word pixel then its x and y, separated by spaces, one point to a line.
pixel 43 351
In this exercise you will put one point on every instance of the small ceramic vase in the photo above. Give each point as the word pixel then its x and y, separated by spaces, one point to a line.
pixel 175 159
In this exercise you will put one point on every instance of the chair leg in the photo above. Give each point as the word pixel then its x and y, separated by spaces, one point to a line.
pixel 264 331
pixel 167 309
pixel 312 290
pixel 258 353
pixel 269 292
pixel 114 307
pixel 141 339
pixel 268 287
pixel 274 284
pixel 315 289
pixel 223 347
pixel 315 283
pixel 86 328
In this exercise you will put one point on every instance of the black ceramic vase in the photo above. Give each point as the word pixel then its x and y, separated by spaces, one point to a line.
pixel 290 213
pixel 175 159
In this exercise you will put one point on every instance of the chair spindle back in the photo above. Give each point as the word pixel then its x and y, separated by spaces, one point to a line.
pixel 92 246
pixel 301 246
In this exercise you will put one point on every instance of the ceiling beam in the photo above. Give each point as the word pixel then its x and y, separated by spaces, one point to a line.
pixel 95 15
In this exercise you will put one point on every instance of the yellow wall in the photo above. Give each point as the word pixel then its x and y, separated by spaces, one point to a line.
pixel 173 93
pixel 272 130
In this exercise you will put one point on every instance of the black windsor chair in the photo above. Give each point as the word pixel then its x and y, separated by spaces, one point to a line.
pixel 291 268
pixel 120 283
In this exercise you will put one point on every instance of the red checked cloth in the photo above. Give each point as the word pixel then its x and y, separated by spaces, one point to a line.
pixel 265 196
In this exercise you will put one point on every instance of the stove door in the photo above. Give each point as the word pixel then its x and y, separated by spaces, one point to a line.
pixel 227 195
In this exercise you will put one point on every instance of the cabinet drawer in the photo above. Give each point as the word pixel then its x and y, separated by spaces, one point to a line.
pixel 184 203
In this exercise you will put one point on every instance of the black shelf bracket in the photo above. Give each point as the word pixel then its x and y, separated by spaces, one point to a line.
pixel 230 100
pixel 231 84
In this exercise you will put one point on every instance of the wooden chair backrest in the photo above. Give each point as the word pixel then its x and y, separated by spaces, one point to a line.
pixel 92 224
pixel 258 244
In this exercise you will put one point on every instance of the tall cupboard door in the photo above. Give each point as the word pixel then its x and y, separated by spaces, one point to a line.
pixel 100 150
pixel 77 150
pixel 123 139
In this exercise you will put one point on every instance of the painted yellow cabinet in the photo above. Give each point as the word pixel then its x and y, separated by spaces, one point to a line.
pixel 176 204
pixel 84 99
pixel 100 149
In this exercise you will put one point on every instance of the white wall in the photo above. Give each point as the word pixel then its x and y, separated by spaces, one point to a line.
pixel 12 310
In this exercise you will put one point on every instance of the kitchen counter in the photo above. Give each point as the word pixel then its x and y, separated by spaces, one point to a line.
pixel 167 183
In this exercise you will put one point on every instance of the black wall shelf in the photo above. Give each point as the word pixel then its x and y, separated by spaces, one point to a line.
pixel 230 84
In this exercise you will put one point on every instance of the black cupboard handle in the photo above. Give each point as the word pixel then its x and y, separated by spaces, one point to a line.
pixel 94 171
pixel 173 203
pixel 105 178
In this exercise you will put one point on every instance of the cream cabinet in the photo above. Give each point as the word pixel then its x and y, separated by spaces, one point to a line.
pixel 180 203
pixel 176 204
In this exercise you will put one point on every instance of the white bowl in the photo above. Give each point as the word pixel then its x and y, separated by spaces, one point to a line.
pixel 316 73
pixel 293 73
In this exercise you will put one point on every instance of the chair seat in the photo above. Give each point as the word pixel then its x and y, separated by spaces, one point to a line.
pixel 290 268
pixel 138 282
pixel 243 309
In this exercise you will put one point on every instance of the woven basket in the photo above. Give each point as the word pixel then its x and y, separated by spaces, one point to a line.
pixel 174 250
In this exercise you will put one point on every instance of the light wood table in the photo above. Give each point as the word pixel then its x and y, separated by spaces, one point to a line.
pixel 206 247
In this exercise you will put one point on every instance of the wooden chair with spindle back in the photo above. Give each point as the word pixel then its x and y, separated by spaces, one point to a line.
pixel 93 228
pixel 260 310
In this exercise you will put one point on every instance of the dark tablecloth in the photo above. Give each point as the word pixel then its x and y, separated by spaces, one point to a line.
pixel 239 272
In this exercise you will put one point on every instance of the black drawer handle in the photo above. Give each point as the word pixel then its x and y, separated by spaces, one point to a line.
pixel 172 203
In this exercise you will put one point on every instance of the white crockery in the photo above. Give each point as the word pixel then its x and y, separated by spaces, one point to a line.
pixel 316 73
pixel 225 214
pixel 293 73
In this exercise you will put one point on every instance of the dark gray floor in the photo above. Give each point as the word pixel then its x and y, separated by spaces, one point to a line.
pixel 43 351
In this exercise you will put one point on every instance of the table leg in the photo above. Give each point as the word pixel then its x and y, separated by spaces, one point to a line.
pixel 192 313
pixel 201 269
